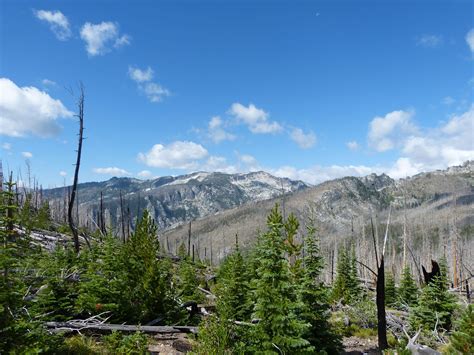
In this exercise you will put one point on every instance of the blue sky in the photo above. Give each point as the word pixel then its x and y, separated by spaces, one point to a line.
pixel 310 90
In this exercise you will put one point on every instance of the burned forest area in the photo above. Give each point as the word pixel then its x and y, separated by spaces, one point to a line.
pixel 260 177
pixel 354 265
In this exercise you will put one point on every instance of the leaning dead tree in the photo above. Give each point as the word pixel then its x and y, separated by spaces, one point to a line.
pixel 80 116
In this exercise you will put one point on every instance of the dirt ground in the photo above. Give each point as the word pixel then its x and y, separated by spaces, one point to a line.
pixel 179 344
pixel 355 345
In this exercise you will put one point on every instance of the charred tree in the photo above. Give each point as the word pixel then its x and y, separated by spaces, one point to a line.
pixel 80 116
pixel 435 271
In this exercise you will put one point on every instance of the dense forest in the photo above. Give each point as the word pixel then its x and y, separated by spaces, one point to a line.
pixel 129 296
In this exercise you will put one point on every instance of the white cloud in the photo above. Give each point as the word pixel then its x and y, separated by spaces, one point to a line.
pixel 248 159
pixel 429 41
pixel 58 23
pixel 216 132
pixel 470 39
pixel 6 146
pixel 63 173
pixel 101 37
pixel 154 92
pixel 177 155
pixel 304 140
pixel 114 171
pixel 386 132
pixel 145 174
pixel 47 82
pixel 139 75
pixel 216 163
pixel 352 145
pixel 437 148
pixel 256 119
pixel 448 100
pixel 123 40
pixel 28 110
pixel 27 155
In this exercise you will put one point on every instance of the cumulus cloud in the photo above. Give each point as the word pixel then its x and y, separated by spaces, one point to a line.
pixel 58 23
pixel 27 155
pixel 470 39
pixel 101 37
pixel 145 174
pixel 421 150
pixel 216 132
pixel 63 173
pixel 435 148
pixel 6 146
pixel 143 77
pixel 139 75
pixel 255 118
pixel 28 110
pixel 155 92
pixel 177 155
pixel 304 140
pixel 429 41
pixel 114 171
pixel 352 145
pixel 386 132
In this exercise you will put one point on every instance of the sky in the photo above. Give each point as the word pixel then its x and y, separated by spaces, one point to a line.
pixel 310 90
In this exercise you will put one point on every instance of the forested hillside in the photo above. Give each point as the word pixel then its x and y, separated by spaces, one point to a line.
pixel 133 295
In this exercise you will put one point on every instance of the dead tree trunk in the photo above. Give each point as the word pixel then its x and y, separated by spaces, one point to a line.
pixel 380 300
pixel 72 226
pixel 189 240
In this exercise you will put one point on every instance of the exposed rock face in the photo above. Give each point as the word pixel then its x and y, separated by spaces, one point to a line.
pixel 174 200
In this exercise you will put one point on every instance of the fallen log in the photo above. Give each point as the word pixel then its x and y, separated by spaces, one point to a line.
pixel 128 328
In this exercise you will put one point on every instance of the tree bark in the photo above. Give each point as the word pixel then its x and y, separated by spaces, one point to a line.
pixel 72 226
pixel 381 317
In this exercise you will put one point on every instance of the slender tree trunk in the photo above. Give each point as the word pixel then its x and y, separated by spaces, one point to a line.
pixel 189 240
pixel 72 226
pixel 381 317
pixel 122 217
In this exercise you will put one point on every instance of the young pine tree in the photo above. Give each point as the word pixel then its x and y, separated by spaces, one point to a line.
pixel 220 335
pixel 390 290
pixel 276 304
pixel 314 297
pixel 435 305
pixel 104 278
pixel 346 287
pixel 147 279
pixel 233 291
pixel 462 340
pixel 408 291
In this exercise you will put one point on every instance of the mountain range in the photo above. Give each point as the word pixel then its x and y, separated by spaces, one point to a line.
pixel 170 200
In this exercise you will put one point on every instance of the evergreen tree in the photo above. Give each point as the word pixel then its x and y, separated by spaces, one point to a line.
pixel 233 302
pixel 103 286
pixel 436 305
pixel 314 297
pixel 408 291
pixel 279 330
pixel 462 340
pixel 390 290
pixel 11 286
pixel 346 287
pixel 147 280
pixel 188 282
